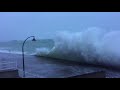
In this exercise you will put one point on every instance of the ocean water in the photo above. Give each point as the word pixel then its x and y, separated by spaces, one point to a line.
pixel 93 45
pixel 30 47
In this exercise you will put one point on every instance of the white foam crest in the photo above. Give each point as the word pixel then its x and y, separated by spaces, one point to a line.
pixel 42 51
pixel 11 52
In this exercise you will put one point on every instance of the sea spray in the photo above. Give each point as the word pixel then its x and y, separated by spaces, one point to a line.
pixel 42 51
pixel 93 45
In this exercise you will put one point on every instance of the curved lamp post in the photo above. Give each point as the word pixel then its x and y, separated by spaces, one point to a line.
pixel 23 52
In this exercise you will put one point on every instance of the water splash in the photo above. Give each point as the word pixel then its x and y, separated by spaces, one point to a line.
pixel 93 45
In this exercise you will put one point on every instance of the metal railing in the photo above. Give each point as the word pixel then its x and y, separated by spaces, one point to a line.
pixel 8 66
pixel 4 66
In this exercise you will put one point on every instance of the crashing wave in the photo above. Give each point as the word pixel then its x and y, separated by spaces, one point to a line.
pixel 94 46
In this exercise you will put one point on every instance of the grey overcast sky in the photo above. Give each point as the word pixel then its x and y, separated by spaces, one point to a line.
pixel 19 25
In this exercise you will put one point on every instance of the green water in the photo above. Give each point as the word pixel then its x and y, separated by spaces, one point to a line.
pixel 30 46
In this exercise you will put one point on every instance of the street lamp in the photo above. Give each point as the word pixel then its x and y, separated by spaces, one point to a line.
pixel 23 52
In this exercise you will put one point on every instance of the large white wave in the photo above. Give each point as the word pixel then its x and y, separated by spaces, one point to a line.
pixel 94 46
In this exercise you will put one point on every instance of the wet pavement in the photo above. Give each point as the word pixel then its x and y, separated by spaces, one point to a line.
pixel 40 67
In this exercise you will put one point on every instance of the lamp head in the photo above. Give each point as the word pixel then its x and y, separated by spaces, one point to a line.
pixel 33 39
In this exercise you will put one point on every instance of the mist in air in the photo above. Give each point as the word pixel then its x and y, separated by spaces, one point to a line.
pixel 19 25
